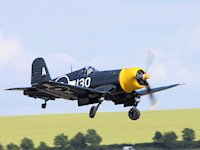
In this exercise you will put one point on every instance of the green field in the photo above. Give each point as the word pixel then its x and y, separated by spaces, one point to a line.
pixel 113 127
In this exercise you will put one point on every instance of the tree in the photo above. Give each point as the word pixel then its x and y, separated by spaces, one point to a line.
pixel 92 138
pixel 12 146
pixel 157 137
pixel 43 146
pixel 61 142
pixel 1 147
pixel 79 141
pixel 188 134
pixel 169 139
pixel 27 144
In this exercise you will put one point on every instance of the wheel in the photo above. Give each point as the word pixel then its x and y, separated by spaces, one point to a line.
pixel 134 113
pixel 93 111
pixel 44 106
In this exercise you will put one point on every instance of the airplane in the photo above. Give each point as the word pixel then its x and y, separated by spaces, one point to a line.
pixel 90 86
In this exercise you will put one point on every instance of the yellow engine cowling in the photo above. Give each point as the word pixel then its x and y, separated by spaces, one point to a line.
pixel 128 81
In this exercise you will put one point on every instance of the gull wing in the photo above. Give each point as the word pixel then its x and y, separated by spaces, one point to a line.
pixel 67 91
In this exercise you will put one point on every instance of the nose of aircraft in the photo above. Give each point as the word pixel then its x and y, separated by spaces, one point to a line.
pixel 132 79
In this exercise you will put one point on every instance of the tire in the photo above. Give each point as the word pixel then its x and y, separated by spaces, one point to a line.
pixel 43 106
pixel 134 113
pixel 93 111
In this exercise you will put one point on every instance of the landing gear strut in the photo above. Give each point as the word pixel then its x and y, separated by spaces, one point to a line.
pixel 134 113
pixel 94 109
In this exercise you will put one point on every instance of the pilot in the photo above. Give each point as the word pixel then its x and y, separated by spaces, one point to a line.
pixel 89 70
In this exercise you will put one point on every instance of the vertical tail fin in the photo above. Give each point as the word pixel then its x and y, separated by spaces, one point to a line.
pixel 40 71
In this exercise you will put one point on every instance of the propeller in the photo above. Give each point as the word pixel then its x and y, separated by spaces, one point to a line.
pixel 142 77
pixel 151 54
pixel 153 100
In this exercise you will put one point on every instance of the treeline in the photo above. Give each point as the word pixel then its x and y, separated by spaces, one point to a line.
pixel 168 140
pixel 91 141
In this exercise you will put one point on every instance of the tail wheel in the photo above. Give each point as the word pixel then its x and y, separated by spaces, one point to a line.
pixel 134 113
pixel 44 106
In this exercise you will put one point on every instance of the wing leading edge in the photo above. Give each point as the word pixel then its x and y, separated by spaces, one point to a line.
pixel 158 89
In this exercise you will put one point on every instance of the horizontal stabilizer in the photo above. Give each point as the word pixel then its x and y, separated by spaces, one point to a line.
pixel 20 89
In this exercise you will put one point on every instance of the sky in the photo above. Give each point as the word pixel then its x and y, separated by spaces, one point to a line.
pixel 105 34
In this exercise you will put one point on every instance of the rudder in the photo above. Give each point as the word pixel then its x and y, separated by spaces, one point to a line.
pixel 40 71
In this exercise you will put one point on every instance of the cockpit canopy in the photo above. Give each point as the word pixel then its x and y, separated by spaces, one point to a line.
pixel 86 71
pixel 89 70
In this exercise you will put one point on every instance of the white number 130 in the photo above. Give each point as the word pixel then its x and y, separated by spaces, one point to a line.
pixel 83 82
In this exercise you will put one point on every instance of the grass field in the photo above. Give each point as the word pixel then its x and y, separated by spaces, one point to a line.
pixel 113 127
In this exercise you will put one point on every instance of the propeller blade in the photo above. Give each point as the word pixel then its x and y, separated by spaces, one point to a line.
pixel 151 54
pixel 154 102
pixel 155 105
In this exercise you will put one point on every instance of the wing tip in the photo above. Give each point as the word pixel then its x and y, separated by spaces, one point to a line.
pixel 178 84
pixel 182 84
pixel 19 89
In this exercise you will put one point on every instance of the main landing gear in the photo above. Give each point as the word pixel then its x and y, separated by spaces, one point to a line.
pixel 134 113
pixel 94 109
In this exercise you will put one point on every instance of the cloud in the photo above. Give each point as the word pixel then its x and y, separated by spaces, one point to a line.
pixel 186 39
pixel 10 48
pixel 16 60
pixel 13 60
pixel 174 63
pixel 178 59
pixel 184 62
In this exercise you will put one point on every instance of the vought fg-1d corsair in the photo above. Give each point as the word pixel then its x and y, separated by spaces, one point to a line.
pixel 89 86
